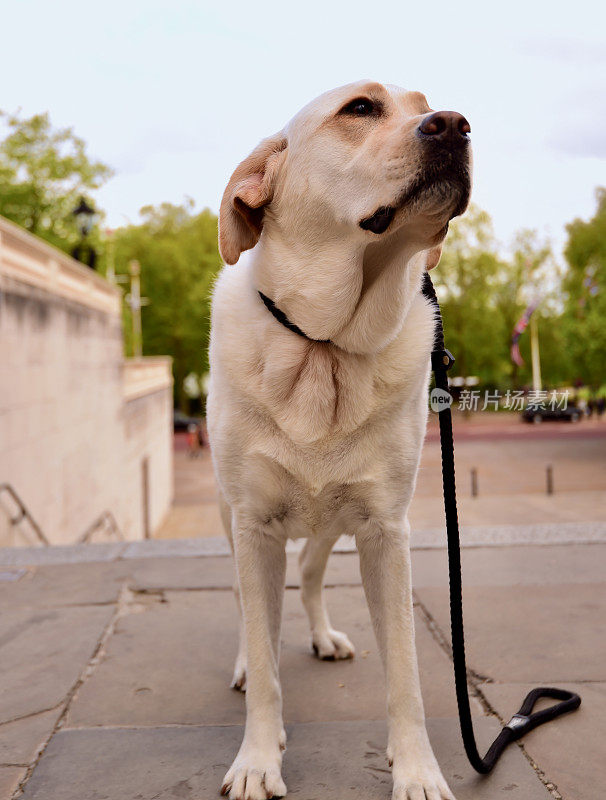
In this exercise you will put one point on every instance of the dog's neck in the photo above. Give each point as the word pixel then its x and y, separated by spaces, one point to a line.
pixel 356 295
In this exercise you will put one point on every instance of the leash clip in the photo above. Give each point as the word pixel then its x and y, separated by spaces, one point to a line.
pixel 517 722
pixel 442 360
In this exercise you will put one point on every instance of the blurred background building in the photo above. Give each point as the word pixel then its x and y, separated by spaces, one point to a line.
pixel 85 434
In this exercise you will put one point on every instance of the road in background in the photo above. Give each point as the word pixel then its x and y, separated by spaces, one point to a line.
pixel 510 458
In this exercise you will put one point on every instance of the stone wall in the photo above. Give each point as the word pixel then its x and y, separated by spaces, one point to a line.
pixel 82 431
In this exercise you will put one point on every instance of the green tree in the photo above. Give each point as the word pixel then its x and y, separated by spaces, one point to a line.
pixel 483 293
pixel 585 288
pixel 466 282
pixel 179 258
pixel 43 172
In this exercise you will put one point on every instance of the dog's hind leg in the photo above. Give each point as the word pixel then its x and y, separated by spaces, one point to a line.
pixel 328 644
pixel 239 677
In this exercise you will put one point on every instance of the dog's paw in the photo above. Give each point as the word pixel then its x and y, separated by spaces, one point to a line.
pixel 331 645
pixel 418 779
pixel 238 681
pixel 254 775
pixel 425 790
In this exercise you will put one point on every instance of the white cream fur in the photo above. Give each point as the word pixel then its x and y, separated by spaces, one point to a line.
pixel 316 440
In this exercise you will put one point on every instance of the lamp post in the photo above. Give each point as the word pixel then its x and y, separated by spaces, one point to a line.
pixel 85 218
pixel 135 302
pixel 537 384
pixel 110 271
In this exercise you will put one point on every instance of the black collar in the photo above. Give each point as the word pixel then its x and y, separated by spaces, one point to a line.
pixel 283 320
pixel 427 290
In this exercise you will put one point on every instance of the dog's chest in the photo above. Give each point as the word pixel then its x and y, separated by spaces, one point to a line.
pixel 339 480
pixel 324 392
pixel 332 510
pixel 299 502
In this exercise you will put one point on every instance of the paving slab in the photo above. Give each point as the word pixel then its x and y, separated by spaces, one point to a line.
pixel 570 750
pixel 324 761
pixel 521 533
pixel 545 633
pixel 169 664
pixel 317 690
pixel 191 519
pixel 514 566
pixel 173 663
pixel 217 572
pixel 513 508
pixel 484 533
pixel 12 574
pixel 21 740
pixel 157 574
pixel 494 535
pixel 42 653
pixel 61 554
pixel 65 584
pixel 10 777
pixel 174 547
pixel 100 582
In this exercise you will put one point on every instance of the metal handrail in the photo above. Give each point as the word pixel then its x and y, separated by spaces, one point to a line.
pixel 106 519
pixel 23 513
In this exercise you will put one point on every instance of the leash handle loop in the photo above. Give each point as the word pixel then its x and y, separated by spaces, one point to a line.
pixel 524 720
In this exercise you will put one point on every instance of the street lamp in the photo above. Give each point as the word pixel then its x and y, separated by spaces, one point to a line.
pixel 134 301
pixel 85 218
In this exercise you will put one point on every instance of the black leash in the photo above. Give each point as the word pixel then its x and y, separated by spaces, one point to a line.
pixel 524 720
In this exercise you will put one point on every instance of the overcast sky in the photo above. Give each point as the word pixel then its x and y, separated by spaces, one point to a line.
pixel 174 95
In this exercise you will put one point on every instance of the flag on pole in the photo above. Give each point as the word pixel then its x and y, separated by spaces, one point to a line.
pixel 518 330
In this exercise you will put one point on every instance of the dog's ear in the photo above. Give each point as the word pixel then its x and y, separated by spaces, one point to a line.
pixel 433 256
pixel 249 190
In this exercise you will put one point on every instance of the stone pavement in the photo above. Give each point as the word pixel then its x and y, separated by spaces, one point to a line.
pixel 115 664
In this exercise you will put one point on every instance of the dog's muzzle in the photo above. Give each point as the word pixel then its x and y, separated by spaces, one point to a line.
pixel 445 146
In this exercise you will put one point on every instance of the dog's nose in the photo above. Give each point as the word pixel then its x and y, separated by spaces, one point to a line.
pixel 446 127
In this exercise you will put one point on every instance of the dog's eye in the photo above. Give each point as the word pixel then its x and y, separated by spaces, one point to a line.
pixel 361 107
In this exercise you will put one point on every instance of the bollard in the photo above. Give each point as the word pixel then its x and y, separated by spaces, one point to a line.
pixel 549 479
pixel 474 482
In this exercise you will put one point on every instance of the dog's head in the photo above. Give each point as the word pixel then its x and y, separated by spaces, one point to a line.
pixel 363 161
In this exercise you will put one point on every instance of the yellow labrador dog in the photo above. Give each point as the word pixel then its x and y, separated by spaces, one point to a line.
pixel 320 354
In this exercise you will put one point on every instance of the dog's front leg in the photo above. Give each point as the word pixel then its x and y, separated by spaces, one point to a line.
pixel 261 567
pixel 385 567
